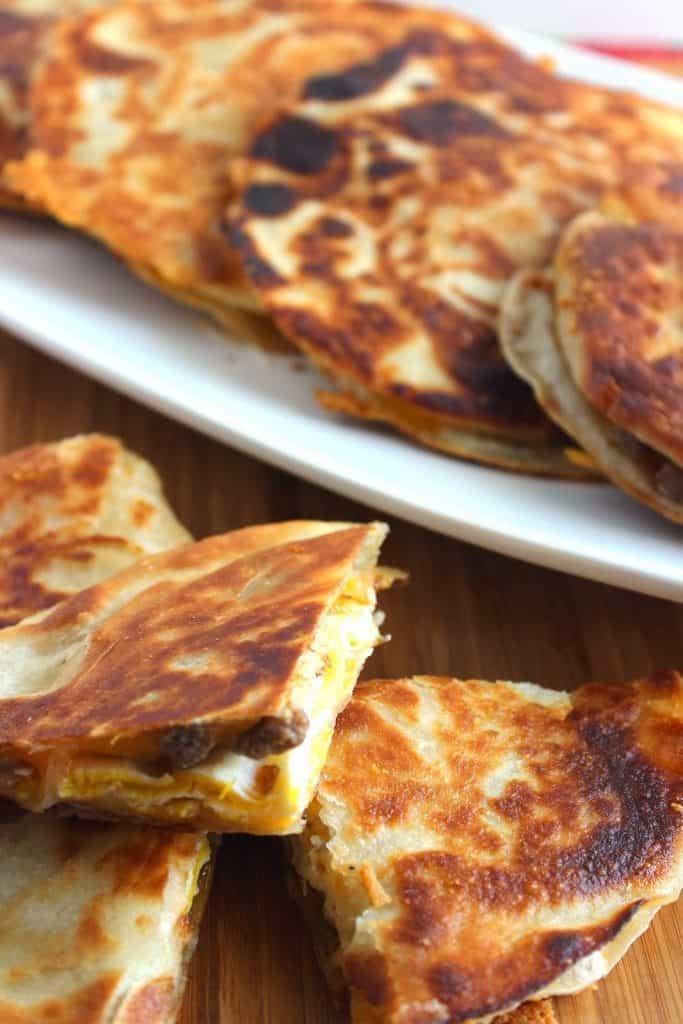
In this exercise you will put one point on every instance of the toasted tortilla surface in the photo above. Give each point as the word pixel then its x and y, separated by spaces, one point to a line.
pixel 481 844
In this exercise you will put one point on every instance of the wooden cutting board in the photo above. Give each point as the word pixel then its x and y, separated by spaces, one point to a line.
pixel 466 612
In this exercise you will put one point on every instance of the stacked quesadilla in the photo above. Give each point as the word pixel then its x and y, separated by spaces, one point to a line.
pixel 98 921
pixel 599 337
pixel 382 214
pixel 369 175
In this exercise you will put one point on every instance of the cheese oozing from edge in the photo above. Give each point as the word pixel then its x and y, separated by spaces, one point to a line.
pixel 229 791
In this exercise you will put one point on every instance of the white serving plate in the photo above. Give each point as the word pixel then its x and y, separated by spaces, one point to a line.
pixel 69 298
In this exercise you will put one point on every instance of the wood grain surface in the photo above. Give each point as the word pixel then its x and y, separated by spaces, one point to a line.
pixel 467 612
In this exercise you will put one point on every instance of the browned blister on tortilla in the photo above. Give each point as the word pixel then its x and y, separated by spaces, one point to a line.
pixel 72 513
pixel 99 921
pixel 25 27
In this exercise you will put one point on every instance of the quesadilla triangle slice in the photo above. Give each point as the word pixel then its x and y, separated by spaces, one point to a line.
pixel 199 687
pixel 380 216
pixel 481 844
pixel 138 109
pixel 99 921
pixel 599 338
pixel 73 513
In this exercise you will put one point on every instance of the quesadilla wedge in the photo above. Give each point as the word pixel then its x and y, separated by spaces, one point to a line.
pixel 97 921
pixel 198 687
pixel 599 338
pixel 73 513
pixel 480 844
pixel 139 109
pixel 381 215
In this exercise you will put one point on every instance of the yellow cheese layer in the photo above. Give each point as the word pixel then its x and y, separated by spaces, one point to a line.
pixel 230 792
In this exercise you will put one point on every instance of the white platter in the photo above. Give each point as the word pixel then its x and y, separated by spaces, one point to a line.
pixel 71 299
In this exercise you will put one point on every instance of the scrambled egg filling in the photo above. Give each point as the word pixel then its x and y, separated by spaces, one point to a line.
pixel 230 791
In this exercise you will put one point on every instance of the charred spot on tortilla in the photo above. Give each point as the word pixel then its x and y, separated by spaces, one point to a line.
pixel 270 200
pixel 443 122
pixel 297 145
pixel 361 79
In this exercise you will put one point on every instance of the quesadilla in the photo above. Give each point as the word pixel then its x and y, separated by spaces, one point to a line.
pixel 198 687
pixel 381 215
pixel 481 844
pixel 98 921
pixel 71 514
pixel 24 28
pixel 599 336
pixel 139 108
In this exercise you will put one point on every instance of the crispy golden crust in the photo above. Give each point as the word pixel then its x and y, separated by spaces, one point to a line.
pixel 24 27
pixel 381 216
pixel 530 1013
pixel 20 38
pixel 619 321
pixel 529 340
pixel 140 107
pixel 189 646
pixel 99 921
pixel 652 191
pixel 72 513
pixel 516 832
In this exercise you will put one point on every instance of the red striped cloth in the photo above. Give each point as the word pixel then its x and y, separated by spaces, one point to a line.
pixel 665 58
